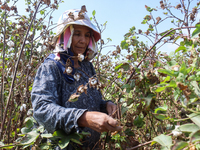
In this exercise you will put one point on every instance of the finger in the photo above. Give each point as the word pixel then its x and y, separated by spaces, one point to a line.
pixel 112 122
pixel 110 112
pixel 111 128
pixel 114 112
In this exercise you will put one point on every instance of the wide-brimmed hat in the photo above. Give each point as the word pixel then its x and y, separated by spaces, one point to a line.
pixel 78 17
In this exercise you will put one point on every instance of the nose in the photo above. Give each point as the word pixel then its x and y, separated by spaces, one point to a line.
pixel 83 39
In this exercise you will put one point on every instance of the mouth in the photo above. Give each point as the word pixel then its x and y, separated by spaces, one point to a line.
pixel 81 48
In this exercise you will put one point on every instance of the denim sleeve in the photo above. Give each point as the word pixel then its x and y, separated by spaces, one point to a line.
pixel 46 101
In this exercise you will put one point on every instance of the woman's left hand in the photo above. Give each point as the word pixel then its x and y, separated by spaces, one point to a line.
pixel 112 109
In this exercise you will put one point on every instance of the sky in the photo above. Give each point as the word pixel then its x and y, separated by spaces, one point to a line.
pixel 120 15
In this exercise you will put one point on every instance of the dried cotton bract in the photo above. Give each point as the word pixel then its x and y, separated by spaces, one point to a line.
pixel 73 98
pixel 100 86
pixel 82 89
pixel 93 82
pixel 81 57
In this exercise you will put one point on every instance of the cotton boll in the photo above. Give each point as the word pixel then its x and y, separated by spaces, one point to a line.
pixel 77 76
pixel 23 107
pixel 68 70
pixel 175 132
pixel 81 57
pixel 10 43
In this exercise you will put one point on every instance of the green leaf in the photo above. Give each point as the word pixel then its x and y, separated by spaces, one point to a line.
pixel 7 147
pixel 128 88
pixel 168 72
pixel 164 108
pixel 29 122
pixel 196 31
pixel 148 17
pixel 138 122
pixel 30 138
pixel 65 138
pixel 76 141
pixel 93 12
pixel 42 12
pixel 160 89
pixel 40 129
pixel 180 145
pixel 125 66
pixel 149 9
pixel 166 79
pixel 183 48
pixel 171 33
pixel 195 137
pixel 44 146
pixel 124 45
pixel 85 133
pixel 105 24
pixel 132 29
pixel 148 100
pixel 1 45
pixel 25 130
pixel 195 88
pixel 161 116
pixel 59 133
pixel 176 38
pixel 190 127
pixel 46 135
pixel 172 84
pixel 64 142
pixel 195 118
pixel 144 21
pixel 183 68
pixel 164 140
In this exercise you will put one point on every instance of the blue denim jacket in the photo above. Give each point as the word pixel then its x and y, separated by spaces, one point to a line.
pixel 50 94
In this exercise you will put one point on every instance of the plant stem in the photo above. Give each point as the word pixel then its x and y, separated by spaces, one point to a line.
pixel 15 72
pixel 2 79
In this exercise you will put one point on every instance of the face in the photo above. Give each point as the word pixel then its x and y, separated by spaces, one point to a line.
pixel 80 39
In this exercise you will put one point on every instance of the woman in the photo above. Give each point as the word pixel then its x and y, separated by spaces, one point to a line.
pixel 64 76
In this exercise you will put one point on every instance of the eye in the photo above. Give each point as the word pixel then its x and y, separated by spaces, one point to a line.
pixel 77 33
pixel 87 35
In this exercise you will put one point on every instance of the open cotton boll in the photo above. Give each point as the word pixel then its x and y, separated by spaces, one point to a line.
pixel 175 132
pixel 68 70
pixel 23 107
pixel 81 57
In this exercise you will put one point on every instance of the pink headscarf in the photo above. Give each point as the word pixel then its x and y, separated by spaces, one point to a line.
pixel 67 39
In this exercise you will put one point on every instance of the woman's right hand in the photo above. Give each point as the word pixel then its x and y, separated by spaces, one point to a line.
pixel 98 121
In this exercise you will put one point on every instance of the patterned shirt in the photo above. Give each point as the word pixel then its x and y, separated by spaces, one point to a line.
pixel 50 94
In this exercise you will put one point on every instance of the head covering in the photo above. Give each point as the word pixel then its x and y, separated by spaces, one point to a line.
pixel 65 30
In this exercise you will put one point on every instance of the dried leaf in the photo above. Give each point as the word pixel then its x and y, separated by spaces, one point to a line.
pixel 182 86
pixel 83 9
pixel 73 98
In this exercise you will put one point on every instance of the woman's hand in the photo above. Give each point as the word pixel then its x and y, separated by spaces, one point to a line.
pixel 112 109
pixel 98 121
